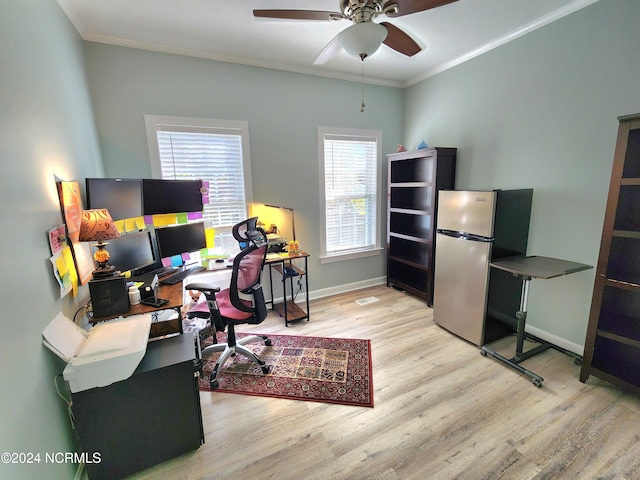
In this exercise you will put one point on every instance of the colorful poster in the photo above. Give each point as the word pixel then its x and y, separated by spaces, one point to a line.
pixel 57 239
pixel 71 204
pixel 65 271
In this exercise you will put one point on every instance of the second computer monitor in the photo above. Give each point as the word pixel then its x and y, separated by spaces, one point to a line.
pixel 171 196
pixel 134 251
pixel 179 239
pixel 121 196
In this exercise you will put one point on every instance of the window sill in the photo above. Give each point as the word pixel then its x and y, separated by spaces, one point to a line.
pixel 351 255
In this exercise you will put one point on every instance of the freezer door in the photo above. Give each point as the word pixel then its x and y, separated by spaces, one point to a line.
pixel 467 211
pixel 460 286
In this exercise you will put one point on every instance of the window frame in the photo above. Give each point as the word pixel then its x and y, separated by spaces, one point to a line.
pixel 377 248
pixel 216 126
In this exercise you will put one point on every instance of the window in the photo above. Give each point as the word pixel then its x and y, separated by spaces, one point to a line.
pixel 216 151
pixel 349 192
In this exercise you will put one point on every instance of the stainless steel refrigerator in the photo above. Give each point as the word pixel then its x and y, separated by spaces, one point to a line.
pixel 472 300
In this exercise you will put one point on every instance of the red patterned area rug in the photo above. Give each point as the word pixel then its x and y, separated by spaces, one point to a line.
pixel 317 369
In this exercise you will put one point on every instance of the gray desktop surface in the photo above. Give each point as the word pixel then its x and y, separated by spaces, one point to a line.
pixel 539 267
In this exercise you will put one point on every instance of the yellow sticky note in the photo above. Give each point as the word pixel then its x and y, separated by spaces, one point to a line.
pixel 130 225
pixel 120 226
pixel 164 219
pixel 159 220
pixel 210 234
pixel 139 221
pixel 61 266
pixel 68 260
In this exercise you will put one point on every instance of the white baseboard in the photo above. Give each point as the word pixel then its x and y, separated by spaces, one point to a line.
pixel 347 287
pixel 372 282
pixel 344 288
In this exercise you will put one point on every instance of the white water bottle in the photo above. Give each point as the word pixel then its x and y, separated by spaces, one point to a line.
pixel 134 295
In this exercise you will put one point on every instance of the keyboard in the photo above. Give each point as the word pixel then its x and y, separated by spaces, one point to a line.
pixel 178 277
pixel 162 271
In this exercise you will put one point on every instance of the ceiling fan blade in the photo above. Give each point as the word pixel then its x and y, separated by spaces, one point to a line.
pixel 406 7
pixel 298 14
pixel 400 41
pixel 332 48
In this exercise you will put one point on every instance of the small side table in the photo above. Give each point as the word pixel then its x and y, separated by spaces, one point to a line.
pixel 289 309
pixel 528 268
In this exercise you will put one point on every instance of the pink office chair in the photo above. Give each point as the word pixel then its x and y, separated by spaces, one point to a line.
pixel 242 302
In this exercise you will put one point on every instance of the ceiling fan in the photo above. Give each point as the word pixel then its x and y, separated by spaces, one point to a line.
pixel 364 36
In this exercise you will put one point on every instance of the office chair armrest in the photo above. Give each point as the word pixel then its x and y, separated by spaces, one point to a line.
pixel 209 292
pixel 202 287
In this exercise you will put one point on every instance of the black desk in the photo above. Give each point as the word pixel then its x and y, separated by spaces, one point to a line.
pixel 528 268
pixel 151 417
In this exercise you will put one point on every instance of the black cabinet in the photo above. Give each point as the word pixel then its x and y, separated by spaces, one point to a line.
pixel 612 346
pixel 151 417
pixel 414 179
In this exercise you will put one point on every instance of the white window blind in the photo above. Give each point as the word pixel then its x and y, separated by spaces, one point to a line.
pixel 350 165
pixel 214 151
pixel 214 158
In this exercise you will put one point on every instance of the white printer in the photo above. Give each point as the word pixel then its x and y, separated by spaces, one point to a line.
pixel 108 353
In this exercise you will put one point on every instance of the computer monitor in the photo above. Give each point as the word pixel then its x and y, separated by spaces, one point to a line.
pixel 121 196
pixel 171 196
pixel 135 251
pixel 179 239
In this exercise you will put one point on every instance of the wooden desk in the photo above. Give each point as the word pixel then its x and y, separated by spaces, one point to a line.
pixel 173 293
pixel 290 310
pixel 528 268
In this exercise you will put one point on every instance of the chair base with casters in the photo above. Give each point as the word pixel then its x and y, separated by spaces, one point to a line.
pixel 234 346
pixel 231 349
pixel 242 302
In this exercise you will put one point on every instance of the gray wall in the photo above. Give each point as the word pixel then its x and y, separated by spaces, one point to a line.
pixel 284 111
pixel 542 112
pixel 46 130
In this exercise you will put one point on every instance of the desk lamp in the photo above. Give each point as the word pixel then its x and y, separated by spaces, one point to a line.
pixel 293 220
pixel 96 226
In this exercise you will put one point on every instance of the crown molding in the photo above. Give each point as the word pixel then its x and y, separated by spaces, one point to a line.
pixel 528 28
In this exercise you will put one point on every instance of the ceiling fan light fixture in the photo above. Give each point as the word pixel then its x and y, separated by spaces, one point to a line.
pixel 363 39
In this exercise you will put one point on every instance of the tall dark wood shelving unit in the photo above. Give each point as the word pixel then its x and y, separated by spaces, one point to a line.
pixel 612 346
pixel 414 179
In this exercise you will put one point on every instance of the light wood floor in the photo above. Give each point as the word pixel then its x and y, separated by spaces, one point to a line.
pixel 442 411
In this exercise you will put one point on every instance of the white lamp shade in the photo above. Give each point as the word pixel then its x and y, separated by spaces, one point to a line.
pixel 363 39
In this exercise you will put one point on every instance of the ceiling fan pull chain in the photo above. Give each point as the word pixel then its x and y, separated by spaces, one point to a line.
pixel 362 106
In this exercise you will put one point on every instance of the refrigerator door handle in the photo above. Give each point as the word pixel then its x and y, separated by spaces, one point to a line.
pixel 464 235
pixel 477 238
pixel 449 233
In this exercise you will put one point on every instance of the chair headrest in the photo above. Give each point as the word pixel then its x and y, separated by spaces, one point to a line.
pixel 240 230
pixel 247 232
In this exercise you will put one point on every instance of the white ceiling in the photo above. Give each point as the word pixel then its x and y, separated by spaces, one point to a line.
pixel 227 31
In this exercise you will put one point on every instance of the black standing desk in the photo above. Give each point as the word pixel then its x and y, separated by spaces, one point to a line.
pixel 289 309
pixel 528 268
